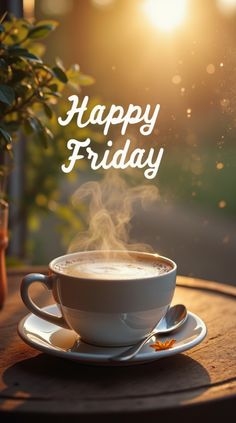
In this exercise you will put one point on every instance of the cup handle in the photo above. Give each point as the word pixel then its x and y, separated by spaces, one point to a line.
pixel 46 281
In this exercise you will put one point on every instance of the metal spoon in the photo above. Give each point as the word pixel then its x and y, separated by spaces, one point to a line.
pixel 173 319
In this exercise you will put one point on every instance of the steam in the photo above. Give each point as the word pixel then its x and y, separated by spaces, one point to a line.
pixel 111 206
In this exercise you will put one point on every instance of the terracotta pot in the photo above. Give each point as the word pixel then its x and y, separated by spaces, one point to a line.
pixel 3 245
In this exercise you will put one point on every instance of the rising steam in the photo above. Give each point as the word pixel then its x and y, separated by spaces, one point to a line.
pixel 111 204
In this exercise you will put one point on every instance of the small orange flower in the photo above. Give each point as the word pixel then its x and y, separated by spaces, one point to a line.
pixel 159 346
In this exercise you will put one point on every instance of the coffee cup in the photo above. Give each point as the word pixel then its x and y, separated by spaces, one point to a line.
pixel 108 298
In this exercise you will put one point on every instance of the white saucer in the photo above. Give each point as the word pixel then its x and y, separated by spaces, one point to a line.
pixel 54 340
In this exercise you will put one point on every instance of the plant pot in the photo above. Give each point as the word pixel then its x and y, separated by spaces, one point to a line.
pixel 3 245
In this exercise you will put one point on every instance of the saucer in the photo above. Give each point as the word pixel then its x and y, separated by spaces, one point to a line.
pixel 53 339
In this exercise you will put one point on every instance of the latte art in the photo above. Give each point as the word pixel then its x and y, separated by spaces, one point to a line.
pixel 112 269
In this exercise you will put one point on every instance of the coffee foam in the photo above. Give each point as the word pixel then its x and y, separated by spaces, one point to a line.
pixel 115 268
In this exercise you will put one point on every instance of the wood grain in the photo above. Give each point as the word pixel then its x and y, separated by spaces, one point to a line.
pixel 198 382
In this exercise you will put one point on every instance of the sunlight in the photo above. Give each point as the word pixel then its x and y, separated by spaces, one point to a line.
pixel 227 6
pixel 166 14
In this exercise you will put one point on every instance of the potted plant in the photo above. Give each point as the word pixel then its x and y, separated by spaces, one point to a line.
pixel 29 89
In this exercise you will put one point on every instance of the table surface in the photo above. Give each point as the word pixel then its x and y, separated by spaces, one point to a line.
pixel 199 381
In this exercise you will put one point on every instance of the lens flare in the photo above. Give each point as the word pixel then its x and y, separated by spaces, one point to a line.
pixel 166 14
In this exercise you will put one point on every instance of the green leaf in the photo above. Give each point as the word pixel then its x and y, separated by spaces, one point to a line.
pixel 6 136
pixel 32 121
pixel 60 63
pixel 48 111
pixel 60 74
pixel 50 22
pixel 20 32
pixel 53 87
pixel 31 56
pixel 49 133
pixel 53 94
pixel 23 90
pixel 85 80
pixel 27 127
pixel 44 67
pixel 26 24
pixel 18 75
pixel 7 94
pixel 76 78
pixel 42 132
pixel 23 52
pixel 38 49
pixel 12 60
pixel 2 29
pixel 41 31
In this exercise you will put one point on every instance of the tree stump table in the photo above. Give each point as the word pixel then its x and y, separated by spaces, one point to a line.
pixel 199 383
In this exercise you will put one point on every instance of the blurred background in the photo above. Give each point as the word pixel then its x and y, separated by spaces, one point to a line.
pixel 181 54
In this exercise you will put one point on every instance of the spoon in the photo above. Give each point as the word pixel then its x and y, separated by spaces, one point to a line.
pixel 173 319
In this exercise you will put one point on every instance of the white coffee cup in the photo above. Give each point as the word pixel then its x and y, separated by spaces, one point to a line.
pixel 103 311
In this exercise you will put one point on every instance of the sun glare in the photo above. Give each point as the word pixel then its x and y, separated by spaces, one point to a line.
pixel 166 14
pixel 228 7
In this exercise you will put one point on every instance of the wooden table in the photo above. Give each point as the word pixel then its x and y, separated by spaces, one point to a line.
pixel 192 385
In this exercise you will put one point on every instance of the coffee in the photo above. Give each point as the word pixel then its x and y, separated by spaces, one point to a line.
pixel 121 268
pixel 109 298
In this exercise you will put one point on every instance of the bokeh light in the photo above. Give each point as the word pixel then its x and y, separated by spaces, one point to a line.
pixel 166 14
pixel 210 69
pixel 222 204
pixel 219 166
pixel 176 79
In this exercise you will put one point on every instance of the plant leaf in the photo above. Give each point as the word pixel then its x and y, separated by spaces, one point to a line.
pixel 23 52
pixel 60 74
pixel 27 127
pixel 18 75
pixel 41 31
pixel 32 121
pixel 59 63
pixel 51 22
pixel 44 67
pixel 38 49
pixel 53 94
pixel 7 94
pixel 44 135
pixel 85 80
pixel 76 78
pixel 6 136
pixel 48 111
pixel 53 87
pixel 41 131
